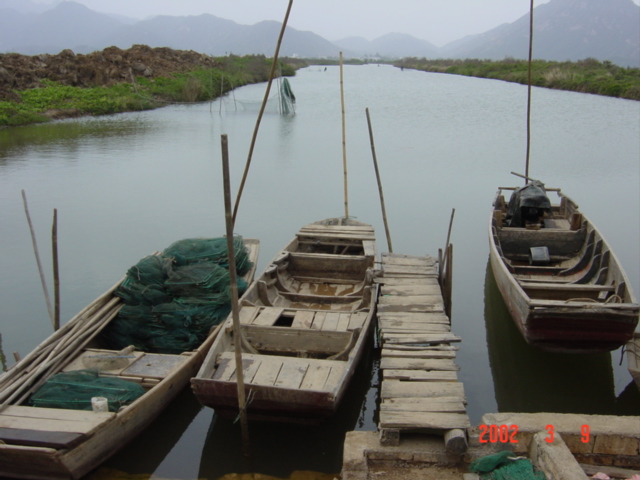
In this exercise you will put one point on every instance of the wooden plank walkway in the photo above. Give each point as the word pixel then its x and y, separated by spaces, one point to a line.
pixel 420 390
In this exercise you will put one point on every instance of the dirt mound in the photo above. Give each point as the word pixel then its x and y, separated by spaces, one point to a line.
pixel 107 67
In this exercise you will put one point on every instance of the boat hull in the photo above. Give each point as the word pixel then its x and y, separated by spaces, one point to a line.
pixel 309 316
pixel 563 313
pixel 40 463
pixel 55 444
pixel 633 357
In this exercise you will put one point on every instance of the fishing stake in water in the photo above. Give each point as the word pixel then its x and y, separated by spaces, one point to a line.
pixel 375 164
pixel 242 403
pixel 344 145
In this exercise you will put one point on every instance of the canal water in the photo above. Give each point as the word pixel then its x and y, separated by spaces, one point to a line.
pixel 127 185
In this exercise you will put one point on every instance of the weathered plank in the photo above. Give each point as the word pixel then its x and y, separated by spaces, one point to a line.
pixel 387 353
pixel 424 420
pixel 419 375
pixel 411 290
pixel 268 316
pixel 343 323
pixel 268 372
pixel 424 262
pixel 399 389
pixel 425 308
pixel 331 321
pixel 425 338
pixel 429 279
pixel 408 270
pixel 249 368
pixel 398 326
pixel 357 320
pixel 421 421
pixel 410 300
pixel 437 404
pixel 398 347
pixel 426 317
pixel 444 364
pixel 15 414
pixel 247 313
pixel 316 377
pixel 291 375
pixel 303 319
pixel 154 365
pixel 318 320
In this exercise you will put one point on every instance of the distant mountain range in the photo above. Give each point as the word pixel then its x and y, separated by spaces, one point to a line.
pixel 563 30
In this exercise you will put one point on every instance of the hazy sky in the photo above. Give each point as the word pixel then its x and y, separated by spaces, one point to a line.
pixel 438 21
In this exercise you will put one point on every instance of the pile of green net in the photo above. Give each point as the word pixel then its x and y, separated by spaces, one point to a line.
pixel 74 390
pixel 173 299
pixel 505 466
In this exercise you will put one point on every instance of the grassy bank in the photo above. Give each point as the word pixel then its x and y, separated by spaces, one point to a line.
pixel 586 76
pixel 54 100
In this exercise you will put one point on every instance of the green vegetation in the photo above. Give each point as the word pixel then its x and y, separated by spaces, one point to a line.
pixel 54 100
pixel 585 76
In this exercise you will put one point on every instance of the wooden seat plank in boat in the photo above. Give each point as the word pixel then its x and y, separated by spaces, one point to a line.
pixel 291 375
pixel 268 372
pixel 268 316
pixel 318 320
pixel 48 427
pixel 316 377
pixel 272 371
pixel 331 321
pixel 303 319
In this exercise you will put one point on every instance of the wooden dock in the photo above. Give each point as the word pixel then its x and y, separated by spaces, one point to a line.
pixel 420 390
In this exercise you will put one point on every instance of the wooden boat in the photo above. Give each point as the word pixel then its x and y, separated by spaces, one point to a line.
pixel 633 357
pixel 55 443
pixel 305 323
pixel 563 285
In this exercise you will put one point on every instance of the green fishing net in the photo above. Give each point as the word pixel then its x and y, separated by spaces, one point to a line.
pixel 173 299
pixel 74 390
pixel 505 466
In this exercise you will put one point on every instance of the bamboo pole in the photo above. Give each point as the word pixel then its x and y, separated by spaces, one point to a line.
pixel 526 170
pixel 62 352
pixel 44 349
pixel 449 281
pixel 344 144
pixel 237 334
pixel 446 245
pixel 35 251
pixel 264 104
pixel 375 165
pixel 56 272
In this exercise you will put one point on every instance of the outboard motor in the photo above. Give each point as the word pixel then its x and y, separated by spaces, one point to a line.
pixel 528 206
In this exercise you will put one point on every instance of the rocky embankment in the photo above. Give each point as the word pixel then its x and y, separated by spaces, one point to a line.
pixel 107 67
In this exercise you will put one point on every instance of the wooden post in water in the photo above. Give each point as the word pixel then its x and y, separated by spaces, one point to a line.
pixel 35 251
pixel 526 170
pixel 261 113
pixel 375 165
pixel 446 245
pixel 237 334
pixel 56 272
pixel 344 145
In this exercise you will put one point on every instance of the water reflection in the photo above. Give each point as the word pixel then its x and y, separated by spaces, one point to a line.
pixel 18 141
pixel 527 379
pixel 149 450
pixel 280 449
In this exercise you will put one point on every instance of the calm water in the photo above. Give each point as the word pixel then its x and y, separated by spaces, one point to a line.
pixel 130 184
